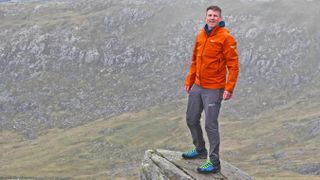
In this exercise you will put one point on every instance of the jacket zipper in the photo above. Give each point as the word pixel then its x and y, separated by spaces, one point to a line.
pixel 201 56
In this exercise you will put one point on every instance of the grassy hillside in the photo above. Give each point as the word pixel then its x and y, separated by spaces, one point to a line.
pixel 268 147
pixel 112 147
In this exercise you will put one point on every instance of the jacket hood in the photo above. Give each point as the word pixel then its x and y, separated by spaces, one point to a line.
pixel 220 26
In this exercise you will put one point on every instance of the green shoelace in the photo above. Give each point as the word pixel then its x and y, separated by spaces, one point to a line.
pixel 207 164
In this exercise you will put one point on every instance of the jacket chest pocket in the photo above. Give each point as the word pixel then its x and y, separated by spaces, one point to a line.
pixel 213 48
pixel 216 45
pixel 213 53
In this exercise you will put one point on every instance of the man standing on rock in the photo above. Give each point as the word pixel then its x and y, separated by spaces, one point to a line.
pixel 212 77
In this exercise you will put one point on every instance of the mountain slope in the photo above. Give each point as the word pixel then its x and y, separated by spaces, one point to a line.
pixel 69 67
pixel 67 63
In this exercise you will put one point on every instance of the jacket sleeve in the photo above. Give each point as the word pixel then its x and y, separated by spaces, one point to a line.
pixel 191 76
pixel 232 62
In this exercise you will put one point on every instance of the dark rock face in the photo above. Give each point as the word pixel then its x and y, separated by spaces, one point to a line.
pixel 65 73
pixel 65 63
pixel 164 164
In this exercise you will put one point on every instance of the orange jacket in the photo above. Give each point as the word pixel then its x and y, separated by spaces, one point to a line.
pixel 214 55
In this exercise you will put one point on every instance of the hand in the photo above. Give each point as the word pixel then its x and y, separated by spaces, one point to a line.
pixel 227 95
pixel 187 88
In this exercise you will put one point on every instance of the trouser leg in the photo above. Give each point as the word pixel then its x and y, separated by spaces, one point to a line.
pixel 193 116
pixel 212 103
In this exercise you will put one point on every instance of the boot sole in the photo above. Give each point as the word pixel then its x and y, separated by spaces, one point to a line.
pixel 209 172
pixel 197 157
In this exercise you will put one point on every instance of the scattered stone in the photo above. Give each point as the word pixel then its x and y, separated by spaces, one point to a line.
pixel 310 169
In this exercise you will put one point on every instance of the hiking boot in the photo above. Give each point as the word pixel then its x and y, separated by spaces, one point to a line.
pixel 194 154
pixel 208 167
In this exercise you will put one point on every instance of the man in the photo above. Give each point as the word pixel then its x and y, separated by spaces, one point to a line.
pixel 212 77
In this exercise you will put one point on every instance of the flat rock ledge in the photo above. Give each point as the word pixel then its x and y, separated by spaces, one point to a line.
pixel 169 165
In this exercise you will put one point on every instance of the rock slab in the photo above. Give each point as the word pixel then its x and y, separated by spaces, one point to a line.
pixel 168 165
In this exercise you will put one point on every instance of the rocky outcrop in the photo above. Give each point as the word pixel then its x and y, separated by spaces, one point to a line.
pixel 67 63
pixel 164 164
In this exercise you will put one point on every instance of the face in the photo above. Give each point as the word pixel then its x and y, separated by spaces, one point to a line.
pixel 213 18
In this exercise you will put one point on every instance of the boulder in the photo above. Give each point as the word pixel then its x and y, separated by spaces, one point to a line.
pixel 168 165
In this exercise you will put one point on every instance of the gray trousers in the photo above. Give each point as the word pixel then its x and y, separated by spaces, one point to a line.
pixel 208 100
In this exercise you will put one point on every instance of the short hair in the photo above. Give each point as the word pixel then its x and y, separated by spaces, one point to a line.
pixel 215 8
